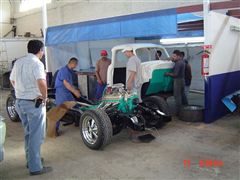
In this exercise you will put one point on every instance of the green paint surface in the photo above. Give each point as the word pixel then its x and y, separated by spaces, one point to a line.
pixel 159 82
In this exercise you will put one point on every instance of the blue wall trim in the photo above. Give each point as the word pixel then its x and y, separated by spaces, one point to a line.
pixel 217 87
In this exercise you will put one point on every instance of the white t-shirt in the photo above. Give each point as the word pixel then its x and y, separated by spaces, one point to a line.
pixel 25 73
pixel 134 64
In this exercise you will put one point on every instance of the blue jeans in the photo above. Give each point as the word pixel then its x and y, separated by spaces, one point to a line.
pixel 34 124
pixel 179 94
pixel 99 90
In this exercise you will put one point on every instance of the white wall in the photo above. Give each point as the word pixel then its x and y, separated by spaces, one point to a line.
pixel 225 53
pixel 5 15
pixel 63 13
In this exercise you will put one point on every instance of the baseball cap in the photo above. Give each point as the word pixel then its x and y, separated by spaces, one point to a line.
pixel 127 49
pixel 104 53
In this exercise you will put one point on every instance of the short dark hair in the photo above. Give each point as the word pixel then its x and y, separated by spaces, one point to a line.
pixel 73 59
pixel 182 54
pixel 34 46
pixel 177 52
pixel 159 53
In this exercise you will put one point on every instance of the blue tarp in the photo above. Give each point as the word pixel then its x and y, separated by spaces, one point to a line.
pixel 188 17
pixel 154 23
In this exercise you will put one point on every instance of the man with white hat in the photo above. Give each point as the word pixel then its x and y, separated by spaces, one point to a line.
pixel 133 72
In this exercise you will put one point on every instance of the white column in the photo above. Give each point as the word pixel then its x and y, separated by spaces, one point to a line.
pixel 44 27
pixel 206 9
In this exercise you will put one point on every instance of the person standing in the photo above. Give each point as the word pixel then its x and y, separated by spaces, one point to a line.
pixel 133 81
pixel 65 90
pixel 101 73
pixel 178 84
pixel 29 81
pixel 187 75
pixel 133 74
pixel 158 55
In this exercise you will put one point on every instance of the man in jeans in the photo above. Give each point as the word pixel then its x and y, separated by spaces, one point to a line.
pixel 179 83
pixel 101 73
pixel 29 81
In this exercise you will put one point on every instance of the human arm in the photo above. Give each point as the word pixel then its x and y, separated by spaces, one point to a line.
pixel 42 86
pixel 130 80
pixel 71 88
pixel 170 74
pixel 97 73
pixel 176 70
pixel 13 76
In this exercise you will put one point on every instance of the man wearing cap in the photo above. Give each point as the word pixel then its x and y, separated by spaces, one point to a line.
pixel 133 76
pixel 101 73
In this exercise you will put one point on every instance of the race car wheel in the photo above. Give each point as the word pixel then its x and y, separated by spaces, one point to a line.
pixel 156 102
pixel 11 110
pixel 95 129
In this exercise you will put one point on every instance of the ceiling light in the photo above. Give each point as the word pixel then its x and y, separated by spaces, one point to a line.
pixel 182 40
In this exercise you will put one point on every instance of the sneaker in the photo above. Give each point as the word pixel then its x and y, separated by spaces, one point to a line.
pixel 43 171
pixel 42 160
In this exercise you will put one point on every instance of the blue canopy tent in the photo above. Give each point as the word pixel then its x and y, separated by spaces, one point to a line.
pixel 155 23
pixel 84 39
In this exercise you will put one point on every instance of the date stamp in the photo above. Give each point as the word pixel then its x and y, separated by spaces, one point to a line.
pixel 204 163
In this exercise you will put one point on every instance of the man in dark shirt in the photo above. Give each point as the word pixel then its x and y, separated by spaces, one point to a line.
pixel 178 75
pixel 188 75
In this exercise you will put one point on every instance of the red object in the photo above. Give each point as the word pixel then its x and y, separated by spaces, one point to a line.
pixel 109 90
pixel 104 53
pixel 205 64
pixel 207 47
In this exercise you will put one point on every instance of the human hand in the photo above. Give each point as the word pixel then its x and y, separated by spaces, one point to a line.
pixel 129 87
pixel 99 82
pixel 77 93
pixel 44 99
pixel 166 74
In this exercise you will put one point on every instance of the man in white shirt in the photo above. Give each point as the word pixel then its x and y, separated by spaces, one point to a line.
pixel 29 81
pixel 133 81
pixel 133 72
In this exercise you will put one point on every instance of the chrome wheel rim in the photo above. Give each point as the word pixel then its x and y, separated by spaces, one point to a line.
pixel 90 130
pixel 11 108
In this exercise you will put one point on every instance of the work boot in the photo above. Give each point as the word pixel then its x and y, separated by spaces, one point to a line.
pixel 43 171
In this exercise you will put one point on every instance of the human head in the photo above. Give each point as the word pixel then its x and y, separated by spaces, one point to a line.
pixel 128 51
pixel 72 63
pixel 158 54
pixel 36 47
pixel 104 53
pixel 182 54
pixel 176 55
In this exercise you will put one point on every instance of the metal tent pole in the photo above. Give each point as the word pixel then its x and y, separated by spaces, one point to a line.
pixel 44 27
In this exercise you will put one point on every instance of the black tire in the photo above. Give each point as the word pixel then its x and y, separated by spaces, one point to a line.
pixel 161 104
pixel 191 113
pixel 10 107
pixel 103 134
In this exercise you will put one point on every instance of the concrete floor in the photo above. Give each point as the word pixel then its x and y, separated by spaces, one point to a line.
pixel 160 159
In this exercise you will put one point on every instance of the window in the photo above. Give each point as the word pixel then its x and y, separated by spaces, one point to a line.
pixel 26 5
